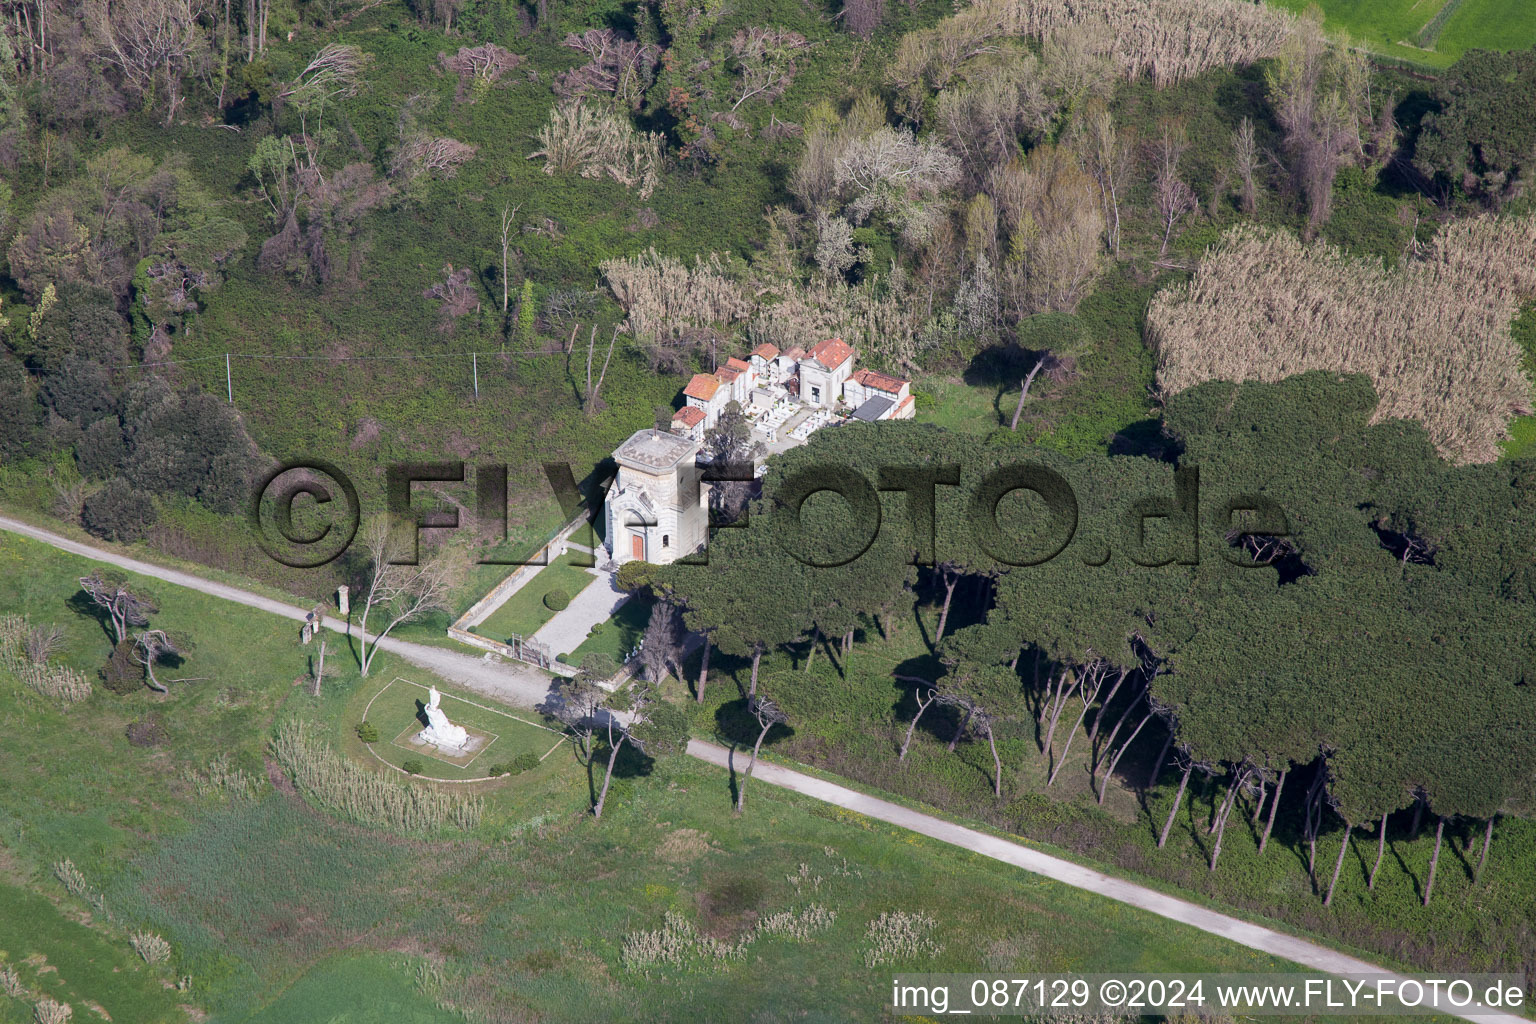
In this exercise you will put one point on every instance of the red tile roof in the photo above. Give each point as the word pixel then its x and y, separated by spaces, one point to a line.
pixel 703 386
pixel 879 381
pixel 738 364
pixel 689 416
pixel 832 353
pixel 727 374
pixel 795 353
pixel 766 351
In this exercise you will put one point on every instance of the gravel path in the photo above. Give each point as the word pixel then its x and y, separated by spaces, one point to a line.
pixel 510 681
pixel 1254 936
pixel 597 601
pixel 521 685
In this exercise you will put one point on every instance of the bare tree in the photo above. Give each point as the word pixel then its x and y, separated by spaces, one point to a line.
pixel 146 39
pixel 1319 95
pixel 1108 156
pixel 1245 154
pixel 455 294
pixel 335 72
pixel 925 695
pixel 124 604
pixel 1175 199
pixel 153 645
pixel 478 67
pixel 765 60
pixel 1178 798
pixel 619 66
pixel 862 17
pixel 592 403
pixel 661 647
pixel 508 215
pixel 400 592
pixel 768 715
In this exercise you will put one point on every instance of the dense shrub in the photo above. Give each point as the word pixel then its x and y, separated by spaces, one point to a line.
pixel 367 732
pixel 413 767
pixel 19 412
pixel 118 512
pixel 100 451
pixel 557 600
pixel 190 444
pixel 526 761
pixel 121 674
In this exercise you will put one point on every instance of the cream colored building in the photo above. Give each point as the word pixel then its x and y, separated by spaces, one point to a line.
pixel 823 371
pixel 657 509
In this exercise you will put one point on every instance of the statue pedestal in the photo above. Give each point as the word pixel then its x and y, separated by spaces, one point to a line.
pixel 445 736
pixel 440 732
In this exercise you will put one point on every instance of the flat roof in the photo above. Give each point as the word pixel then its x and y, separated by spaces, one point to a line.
pixel 872 409
pixel 653 451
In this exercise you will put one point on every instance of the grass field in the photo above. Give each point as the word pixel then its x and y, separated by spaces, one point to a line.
pixel 849 716
pixel 259 892
pixel 1394 27
pixel 395 710
pixel 71 962
pixel 353 989
pixel 524 612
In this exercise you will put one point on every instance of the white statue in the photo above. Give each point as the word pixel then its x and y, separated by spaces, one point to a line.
pixel 439 731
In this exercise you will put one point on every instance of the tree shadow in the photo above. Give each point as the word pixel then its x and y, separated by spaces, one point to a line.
pixel 737 726
pixel 922 627
pixel 632 763
pixel 1146 439
pixel 81 604
pixel 1460 849
pixel 1413 878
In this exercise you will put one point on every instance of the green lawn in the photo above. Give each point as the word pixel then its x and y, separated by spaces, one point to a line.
pixel 528 917
pixel 524 612
pixel 1489 25
pixel 1392 27
pixel 1522 438
pixel 351 989
pixel 619 635
pixel 72 963
pixel 395 710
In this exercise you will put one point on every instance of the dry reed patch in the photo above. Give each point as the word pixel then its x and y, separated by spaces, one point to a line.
pixel 1433 334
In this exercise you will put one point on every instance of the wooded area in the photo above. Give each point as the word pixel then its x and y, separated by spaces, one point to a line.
pixel 1306 592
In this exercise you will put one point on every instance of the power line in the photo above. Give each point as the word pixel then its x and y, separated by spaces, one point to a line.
pixel 227 356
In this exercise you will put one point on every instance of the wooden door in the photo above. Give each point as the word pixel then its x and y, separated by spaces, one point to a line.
pixel 637 546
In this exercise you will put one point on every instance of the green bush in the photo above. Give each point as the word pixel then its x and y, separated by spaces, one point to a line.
pixel 557 600
pixel 413 767
pixel 598 629
pixel 526 761
pixel 121 674
pixel 367 732
pixel 118 512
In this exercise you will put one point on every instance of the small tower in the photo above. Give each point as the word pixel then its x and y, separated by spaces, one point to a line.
pixel 657 509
